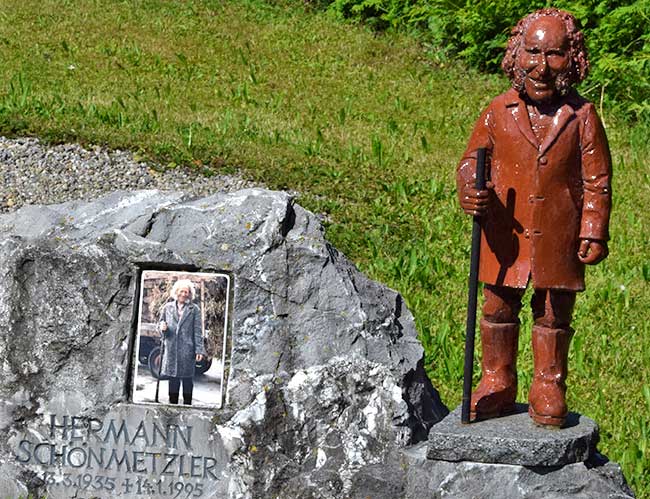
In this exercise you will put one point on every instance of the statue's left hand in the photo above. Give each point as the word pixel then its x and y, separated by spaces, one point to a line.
pixel 592 252
pixel 199 357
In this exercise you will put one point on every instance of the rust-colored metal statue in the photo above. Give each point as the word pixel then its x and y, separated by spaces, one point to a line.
pixel 544 213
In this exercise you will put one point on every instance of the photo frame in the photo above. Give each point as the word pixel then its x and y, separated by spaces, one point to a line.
pixel 182 339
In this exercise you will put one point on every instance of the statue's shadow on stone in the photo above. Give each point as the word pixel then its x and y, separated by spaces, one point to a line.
pixel 572 419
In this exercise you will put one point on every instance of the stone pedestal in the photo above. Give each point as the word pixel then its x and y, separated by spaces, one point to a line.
pixel 513 439
pixel 512 457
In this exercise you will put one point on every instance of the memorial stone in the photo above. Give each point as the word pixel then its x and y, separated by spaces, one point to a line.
pixel 324 372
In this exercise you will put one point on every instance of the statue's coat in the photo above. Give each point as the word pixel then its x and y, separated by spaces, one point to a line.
pixel 547 196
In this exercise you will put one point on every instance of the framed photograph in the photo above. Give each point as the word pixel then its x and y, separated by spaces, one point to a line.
pixel 182 339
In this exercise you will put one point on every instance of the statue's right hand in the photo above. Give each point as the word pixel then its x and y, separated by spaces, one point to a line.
pixel 163 326
pixel 474 202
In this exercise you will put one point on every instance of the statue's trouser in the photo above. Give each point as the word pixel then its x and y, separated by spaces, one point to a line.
pixel 174 388
pixel 497 390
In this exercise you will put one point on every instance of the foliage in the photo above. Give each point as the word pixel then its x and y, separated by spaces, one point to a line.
pixel 617 33
pixel 364 128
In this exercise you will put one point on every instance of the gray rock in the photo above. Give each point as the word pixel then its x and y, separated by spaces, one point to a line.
pixel 326 381
pixel 327 397
pixel 429 479
pixel 513 439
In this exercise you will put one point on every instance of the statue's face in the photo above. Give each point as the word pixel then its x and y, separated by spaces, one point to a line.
pixel 543 56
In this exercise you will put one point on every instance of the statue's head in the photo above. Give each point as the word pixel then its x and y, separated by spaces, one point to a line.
pixel 546 55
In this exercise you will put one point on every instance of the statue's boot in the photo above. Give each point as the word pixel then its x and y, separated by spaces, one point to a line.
pixel 497 390
pixel 547 403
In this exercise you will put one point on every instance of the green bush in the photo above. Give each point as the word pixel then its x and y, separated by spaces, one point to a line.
pixel 617 33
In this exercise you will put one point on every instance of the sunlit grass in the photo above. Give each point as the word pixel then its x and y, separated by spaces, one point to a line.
pixel 365 127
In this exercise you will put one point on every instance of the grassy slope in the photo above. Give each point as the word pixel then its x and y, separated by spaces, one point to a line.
pixel 364 127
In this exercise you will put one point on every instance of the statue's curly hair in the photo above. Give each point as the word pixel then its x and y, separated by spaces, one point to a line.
pixel 579 66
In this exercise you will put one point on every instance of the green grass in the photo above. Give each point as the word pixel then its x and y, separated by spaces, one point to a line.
pixel 367 128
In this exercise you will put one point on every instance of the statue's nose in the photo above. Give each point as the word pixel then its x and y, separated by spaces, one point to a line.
pixel 542 66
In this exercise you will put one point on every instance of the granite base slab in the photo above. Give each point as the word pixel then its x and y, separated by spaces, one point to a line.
pixel 513 439
pixel 597 478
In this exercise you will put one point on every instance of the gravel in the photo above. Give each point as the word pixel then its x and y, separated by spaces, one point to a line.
pixel 35 173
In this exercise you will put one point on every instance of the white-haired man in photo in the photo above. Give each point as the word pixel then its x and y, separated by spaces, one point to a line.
pixel 181 330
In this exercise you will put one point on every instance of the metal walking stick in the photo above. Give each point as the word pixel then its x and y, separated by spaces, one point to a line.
pixel 470 329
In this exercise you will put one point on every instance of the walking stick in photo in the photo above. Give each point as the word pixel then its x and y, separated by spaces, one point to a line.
pixel 162 353
pixel 470 329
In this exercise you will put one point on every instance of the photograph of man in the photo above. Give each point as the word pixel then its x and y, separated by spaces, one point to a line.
pixel 182 340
